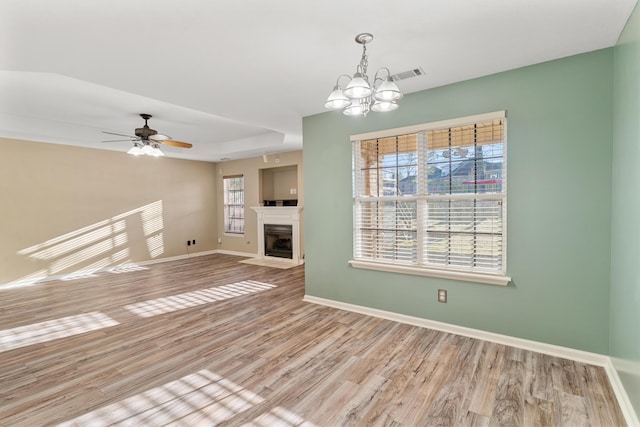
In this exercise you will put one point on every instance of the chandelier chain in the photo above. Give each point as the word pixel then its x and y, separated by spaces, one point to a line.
pixel 364 61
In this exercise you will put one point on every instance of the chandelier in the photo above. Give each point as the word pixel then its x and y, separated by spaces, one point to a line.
pixel 359 96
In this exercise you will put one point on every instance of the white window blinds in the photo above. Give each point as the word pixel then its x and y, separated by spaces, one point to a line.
pixel 433 198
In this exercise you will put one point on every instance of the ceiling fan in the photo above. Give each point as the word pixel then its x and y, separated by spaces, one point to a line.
pixel 147 141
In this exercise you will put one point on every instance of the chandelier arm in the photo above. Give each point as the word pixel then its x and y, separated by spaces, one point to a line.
pixel 378 72
pixel 341 76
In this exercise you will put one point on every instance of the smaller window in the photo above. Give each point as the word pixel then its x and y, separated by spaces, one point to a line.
pixel 234 204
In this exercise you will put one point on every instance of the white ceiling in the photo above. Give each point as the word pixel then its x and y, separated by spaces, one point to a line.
pixel 235 78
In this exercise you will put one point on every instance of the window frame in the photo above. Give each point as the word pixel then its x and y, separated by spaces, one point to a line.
pixel 225 205
pixel 418 268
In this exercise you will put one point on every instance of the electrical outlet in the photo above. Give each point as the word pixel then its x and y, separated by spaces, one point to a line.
pixel 219 240
pixel 442 295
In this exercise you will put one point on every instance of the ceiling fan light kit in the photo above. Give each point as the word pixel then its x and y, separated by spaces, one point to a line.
pixel 147 141
pixel 136 150
pixel 359 96
pixel 149 149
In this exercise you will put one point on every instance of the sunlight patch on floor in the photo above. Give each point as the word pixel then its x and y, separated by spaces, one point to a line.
pixel 279 416
pixel 50 330
pixel 191 299
pixel 202 398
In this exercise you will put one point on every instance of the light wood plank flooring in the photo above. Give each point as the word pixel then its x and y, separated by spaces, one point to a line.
pixel 211 341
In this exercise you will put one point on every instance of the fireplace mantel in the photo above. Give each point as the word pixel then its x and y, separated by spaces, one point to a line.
pixel 283 215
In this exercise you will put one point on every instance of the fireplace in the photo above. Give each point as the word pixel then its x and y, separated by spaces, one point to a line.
pixel 277 240
pixel 279 233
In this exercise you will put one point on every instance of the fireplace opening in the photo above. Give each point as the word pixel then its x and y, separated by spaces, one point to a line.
pixel 277 240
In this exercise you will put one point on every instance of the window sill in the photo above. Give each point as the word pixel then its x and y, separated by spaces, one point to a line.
pixel 233 234
pixel 491 279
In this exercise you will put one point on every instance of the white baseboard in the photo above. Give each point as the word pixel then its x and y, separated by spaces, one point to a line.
pixel 174 258
pixel 539 347
pixel 550 349
pixel 235 253
pixel 85 273
pixel 621 394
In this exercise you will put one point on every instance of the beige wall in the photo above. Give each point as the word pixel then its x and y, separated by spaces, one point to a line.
pixel 251 168
pixel 65 209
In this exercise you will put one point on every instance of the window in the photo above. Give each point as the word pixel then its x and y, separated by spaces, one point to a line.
pixel 234 204
pixel 431 199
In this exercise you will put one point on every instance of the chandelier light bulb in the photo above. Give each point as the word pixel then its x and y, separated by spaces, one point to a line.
pixel 384 106
pixel 358 87
pixel 354 110
pixel 337 100
pixel 387 91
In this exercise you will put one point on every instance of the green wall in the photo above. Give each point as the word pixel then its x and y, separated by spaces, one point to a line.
pixel 560 128
pixel 625 230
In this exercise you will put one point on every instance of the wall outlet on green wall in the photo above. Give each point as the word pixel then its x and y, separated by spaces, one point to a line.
pixel 442 295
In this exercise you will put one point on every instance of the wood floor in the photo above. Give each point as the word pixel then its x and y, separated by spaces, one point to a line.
pixel 210 341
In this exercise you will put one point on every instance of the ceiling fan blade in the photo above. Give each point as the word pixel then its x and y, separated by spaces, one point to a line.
pixel 175 143
pixel 118 134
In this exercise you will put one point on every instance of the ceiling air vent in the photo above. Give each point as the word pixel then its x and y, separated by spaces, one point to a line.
pixel 408 74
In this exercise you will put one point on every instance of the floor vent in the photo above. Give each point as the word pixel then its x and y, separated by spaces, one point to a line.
pixel 408 74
